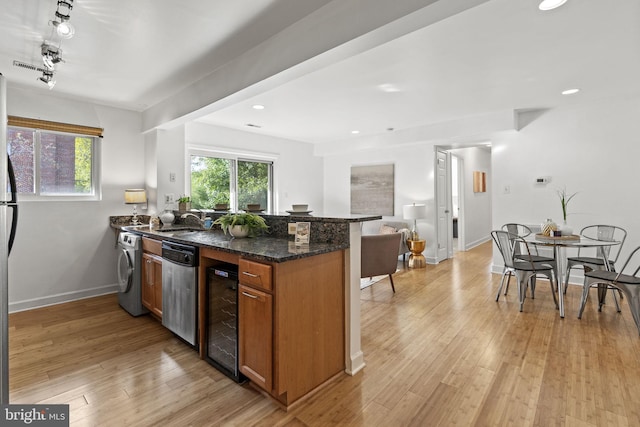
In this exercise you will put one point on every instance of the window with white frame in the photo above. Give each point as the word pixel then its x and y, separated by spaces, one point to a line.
pixel 54 164
pixel 236 181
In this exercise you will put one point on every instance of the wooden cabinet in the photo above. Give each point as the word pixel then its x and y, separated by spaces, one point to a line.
pixel 152 275
pixel 255 322
pixel 152 283
pixel 291 323
pixel 255 336
pixel 291 320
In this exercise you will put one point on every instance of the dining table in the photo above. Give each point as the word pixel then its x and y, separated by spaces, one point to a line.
pixel 559 244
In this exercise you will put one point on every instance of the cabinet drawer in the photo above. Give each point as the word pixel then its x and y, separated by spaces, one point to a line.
pixel 255 274
pixel 152 245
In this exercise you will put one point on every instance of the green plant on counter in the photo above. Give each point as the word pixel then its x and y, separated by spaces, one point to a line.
pixel 251 222
pixel 184 199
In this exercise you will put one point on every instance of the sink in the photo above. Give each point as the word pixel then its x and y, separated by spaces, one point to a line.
pixel 177 229
pixel 183 232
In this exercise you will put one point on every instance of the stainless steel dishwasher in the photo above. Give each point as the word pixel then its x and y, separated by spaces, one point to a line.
pixel 179 290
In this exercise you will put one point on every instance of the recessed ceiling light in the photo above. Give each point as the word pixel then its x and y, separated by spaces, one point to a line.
pixel 570 91
pixel 258 107
pixel 389 87
pixel 355 132
pixel 551 4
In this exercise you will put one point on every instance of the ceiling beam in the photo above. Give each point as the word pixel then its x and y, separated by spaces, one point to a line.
pixel 339 30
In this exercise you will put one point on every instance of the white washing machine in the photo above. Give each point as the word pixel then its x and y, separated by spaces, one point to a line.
pixel 130 274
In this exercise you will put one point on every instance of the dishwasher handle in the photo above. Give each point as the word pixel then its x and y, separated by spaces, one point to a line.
pixel 180 254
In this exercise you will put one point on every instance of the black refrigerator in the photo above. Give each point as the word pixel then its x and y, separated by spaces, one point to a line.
pixel 8 224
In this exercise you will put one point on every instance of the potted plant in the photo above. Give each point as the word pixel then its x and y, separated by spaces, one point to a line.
pixel 242 224
pixel 184 203
pixel 565 198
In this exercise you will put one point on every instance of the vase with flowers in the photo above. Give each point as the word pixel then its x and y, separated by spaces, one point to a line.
pixel 565 198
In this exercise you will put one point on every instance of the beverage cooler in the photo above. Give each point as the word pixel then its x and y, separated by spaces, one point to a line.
pixel 222 319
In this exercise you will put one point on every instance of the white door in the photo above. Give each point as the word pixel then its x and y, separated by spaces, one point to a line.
pixel 442 203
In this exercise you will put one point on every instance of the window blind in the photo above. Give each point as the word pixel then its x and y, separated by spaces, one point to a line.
pixel 54 126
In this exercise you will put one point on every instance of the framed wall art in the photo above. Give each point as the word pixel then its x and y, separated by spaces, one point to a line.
pixel 479 182
pixel 372 190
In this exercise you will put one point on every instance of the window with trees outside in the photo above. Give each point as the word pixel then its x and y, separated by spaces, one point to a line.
pixel 234 181
pixel 48 163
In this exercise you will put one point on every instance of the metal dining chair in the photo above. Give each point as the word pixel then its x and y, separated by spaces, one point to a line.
pixel 523 231
pixel 607 233
pixel 524 267
pixel 626 281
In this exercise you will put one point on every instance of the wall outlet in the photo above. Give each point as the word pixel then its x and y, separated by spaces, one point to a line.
pixel 292 227
pixel 169 198
pixel 172 177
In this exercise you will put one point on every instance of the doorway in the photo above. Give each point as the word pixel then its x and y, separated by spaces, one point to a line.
pixel 463 217
pixel 457 166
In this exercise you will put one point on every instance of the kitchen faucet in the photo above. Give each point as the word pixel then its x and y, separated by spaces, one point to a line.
pixel 188 214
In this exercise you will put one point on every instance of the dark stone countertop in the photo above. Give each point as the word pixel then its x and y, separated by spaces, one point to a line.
pixel 265 248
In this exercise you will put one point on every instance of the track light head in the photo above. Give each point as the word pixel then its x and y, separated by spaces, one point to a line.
pixel 51 55
pixel 47 77
pixel 64 29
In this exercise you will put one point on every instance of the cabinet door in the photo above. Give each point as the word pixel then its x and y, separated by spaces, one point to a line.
pixel 157 286
pixel 147 281
pixel 152 283
pixel 255 339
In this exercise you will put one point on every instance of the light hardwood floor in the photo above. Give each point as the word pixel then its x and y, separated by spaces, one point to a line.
pixel 440 351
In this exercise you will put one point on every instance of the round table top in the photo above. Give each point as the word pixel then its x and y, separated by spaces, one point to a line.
pixel 573 240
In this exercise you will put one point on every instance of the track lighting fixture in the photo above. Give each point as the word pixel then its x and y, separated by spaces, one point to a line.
pixel 47 77
pixel 51 55
pixel 63 13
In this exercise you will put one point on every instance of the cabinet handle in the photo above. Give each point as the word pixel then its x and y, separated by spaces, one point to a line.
pixel 250 274
pixel 249 295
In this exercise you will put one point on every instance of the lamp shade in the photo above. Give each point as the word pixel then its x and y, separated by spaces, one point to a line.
pixel 135 196
pixel 414 211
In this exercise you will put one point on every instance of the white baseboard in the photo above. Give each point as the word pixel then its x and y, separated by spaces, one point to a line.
pixel 355 363
pixel 61 298
pixel 471 245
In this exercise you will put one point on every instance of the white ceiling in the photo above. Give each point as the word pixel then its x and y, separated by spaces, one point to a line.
pixel 501 55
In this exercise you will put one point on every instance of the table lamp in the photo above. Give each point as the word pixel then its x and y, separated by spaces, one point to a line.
pixel 414 212
pixel 133 197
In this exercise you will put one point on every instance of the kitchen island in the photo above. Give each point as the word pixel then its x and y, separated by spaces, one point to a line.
pixel 304 309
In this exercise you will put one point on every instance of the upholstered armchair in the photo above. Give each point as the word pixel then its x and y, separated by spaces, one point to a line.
pixel 379 255
pixel 389 227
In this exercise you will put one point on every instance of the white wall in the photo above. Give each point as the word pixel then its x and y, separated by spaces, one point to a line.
pixel 592 149
pixel 66 250
pixel 169 161
pixel 414 174
pixel 298 173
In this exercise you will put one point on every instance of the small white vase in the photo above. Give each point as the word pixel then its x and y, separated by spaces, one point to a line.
pixel 565 229
pixel 167 217
pixel 238 231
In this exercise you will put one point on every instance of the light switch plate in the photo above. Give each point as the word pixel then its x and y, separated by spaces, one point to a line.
pixel 292 227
